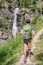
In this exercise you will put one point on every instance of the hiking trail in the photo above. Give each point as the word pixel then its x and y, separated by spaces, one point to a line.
pixel 34 41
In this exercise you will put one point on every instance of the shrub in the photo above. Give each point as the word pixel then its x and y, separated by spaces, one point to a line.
pixel 1 5
pixel 37 23
pixel 24 3
pixel 34 2
pixel 9 1
pixel 27 3
pixel 38 9
pixel 33 8
pixel 1 22
pixel 35 20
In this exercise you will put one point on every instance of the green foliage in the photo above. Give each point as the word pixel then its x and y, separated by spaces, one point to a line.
pixel 38 23
pixel 24 23
pixel 42 7
pixel 38 9
pixel 38 54
pixel 1 5
pixel 33 8
pixel 1 22
pixel 11 48
pixel 34 2
pixel 9 1
pixel 25 3
pixel 35 20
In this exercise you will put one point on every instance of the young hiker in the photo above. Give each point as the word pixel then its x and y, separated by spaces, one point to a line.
pixel 27 32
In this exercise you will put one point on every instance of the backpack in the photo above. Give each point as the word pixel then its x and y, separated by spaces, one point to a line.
pixel 27 32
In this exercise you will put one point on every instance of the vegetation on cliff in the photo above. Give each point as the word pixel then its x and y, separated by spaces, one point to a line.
pixel 15 46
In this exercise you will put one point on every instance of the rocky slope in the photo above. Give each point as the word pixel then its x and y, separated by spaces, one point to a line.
pixel 6 13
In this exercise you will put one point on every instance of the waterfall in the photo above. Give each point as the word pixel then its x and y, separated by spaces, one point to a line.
pixel 14 28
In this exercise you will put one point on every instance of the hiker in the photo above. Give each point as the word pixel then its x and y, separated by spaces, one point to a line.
pixel 27 33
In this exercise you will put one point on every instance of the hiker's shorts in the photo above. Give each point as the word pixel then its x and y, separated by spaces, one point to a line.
pixel 26 41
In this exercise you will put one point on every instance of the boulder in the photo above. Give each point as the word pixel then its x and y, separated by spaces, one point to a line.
pixel 11 8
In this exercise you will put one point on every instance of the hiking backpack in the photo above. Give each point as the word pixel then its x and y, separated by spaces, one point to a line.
pixel 27 32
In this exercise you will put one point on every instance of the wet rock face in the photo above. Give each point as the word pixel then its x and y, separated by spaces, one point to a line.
pixel 19 28
pixel 11 8
pixel 19 19
pixel 5 37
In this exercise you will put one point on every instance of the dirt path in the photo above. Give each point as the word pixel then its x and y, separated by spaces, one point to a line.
pixel 35 39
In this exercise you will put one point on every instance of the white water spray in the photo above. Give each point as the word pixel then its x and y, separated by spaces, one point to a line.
pixel 14 28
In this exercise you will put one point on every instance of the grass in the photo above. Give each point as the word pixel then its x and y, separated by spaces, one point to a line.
pixel 15 46
pixel 38 23
pixel 11 48
pixel 38 53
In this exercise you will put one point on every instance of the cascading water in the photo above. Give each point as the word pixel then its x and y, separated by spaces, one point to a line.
pixel 14 28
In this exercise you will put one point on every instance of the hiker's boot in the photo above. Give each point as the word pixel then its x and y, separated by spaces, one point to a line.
pixel 25 60
pixel 27 53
